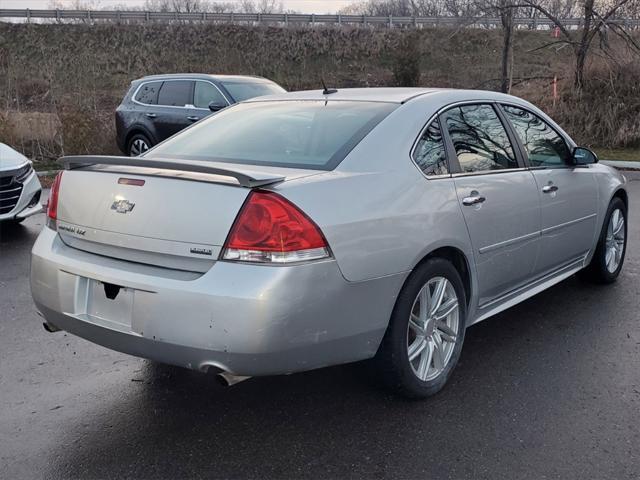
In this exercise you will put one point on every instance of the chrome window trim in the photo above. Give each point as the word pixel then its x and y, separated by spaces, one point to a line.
pixel 494 103
pixel 188 107
pixel 217 88
pixel 415 145
pixel 489 172
pixel 568 141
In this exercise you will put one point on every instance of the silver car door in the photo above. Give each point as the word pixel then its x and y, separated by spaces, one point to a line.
pixel 568 194
pixel 498 198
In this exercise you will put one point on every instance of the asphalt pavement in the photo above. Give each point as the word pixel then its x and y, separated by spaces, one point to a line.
pixel 547 389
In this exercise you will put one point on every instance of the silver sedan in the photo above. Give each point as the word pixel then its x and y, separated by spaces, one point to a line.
pixel 296 231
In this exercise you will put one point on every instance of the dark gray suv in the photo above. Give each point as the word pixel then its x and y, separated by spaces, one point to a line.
pixel 158 106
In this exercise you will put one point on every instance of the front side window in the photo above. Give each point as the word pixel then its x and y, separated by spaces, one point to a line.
pixel 148 93
pixel 430 154
pixel 175 93
pixel 206 93
pixel 479 138
pixel 302 134
pixel 544 147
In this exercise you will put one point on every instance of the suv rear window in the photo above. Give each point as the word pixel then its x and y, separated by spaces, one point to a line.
pixel 148 93
pixel 300 134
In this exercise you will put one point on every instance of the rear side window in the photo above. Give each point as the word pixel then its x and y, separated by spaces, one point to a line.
pixel 544 146
pixel 176 93
pixel 302 134
pixel 479 138
pixel 429 153
pixel 206 93
pixel 148 93
pixel 241 91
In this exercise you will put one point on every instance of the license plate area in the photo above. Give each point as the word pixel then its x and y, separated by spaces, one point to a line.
pixel 109 303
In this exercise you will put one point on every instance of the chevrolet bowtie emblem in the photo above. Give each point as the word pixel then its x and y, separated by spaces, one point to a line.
pixel 122 206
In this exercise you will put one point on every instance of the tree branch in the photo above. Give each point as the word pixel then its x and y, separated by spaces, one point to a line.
pixel 550 16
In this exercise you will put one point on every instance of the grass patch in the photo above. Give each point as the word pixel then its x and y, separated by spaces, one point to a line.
pixel 46 181
pixel 44 166
pixel 624 154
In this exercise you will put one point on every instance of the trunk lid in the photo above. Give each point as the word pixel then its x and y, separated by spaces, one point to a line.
pixel 177 219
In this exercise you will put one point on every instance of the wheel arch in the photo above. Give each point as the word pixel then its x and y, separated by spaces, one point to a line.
pixel 138 129
pixel 621 193
pixel 459 260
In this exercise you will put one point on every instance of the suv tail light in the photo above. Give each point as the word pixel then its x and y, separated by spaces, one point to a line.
pixel 270 229
pixel 52 204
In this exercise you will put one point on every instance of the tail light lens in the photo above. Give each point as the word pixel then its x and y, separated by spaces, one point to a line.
pixel 270 229
pixel 52 204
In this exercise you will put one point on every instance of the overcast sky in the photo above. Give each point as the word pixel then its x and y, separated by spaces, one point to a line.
pixel 304 6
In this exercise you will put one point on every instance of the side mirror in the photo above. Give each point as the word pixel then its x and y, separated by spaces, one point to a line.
pixel 215 106
pixel 584 156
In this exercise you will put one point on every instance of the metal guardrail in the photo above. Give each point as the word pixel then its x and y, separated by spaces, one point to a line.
pixel 286 18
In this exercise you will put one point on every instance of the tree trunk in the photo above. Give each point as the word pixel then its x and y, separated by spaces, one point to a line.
pixel 581 57
pixel 583 47
pixel 506 17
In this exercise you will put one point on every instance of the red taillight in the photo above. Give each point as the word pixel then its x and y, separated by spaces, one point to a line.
pixel 52 205
pixel 269 228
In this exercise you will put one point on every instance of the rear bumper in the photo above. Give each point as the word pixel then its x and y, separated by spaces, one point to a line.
pixel 244 319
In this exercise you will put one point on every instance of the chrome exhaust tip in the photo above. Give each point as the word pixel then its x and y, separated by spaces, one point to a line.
pixel 228 379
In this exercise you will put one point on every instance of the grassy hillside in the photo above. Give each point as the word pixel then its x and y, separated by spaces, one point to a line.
pixel 60 84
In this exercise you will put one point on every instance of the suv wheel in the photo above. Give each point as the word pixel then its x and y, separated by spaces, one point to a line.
pixel 423 342
pixel 138 144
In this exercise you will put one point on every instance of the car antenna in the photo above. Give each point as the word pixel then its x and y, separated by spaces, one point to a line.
pixel 327 91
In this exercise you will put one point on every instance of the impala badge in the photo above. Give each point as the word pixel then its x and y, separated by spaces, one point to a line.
pixel 122 206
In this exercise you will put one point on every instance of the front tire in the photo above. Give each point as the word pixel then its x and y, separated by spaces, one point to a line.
pixel 424 339
pixel 606 264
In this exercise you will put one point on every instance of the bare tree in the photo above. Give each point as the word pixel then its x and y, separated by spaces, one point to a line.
pixel 505 10
pixel 75 5
pixel 261 6
pixel 595 20
pixel 186 6
pixel 406 8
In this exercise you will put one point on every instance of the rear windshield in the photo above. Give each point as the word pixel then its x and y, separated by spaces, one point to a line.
pixel 300 134
pixel 242 91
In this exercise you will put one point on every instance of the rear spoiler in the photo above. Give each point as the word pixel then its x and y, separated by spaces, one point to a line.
pixel 246 177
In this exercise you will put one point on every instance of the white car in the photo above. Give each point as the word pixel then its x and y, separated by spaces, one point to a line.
pixel 20 188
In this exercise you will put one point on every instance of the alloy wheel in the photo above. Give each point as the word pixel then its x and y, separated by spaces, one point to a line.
pixel 433 328
pixel 138 147
pixel 614 241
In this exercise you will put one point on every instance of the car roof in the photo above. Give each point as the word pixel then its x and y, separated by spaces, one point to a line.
pixel 202 76
pixel 388 94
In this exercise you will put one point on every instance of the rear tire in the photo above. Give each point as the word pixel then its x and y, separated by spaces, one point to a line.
pixel 138 144
pixel 606 264
pixel 420 329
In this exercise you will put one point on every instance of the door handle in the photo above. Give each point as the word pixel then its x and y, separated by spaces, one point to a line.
pixel 193 119
pixel 549 189
pixel 151 115
pixel 473 200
